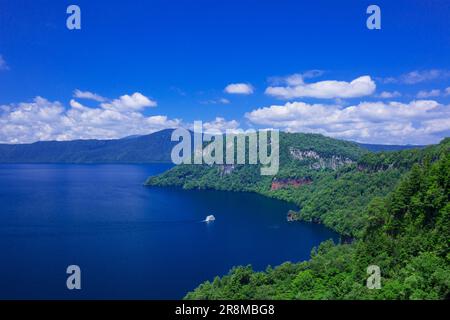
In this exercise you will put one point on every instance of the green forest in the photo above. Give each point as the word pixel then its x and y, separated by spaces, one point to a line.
pixel 392 208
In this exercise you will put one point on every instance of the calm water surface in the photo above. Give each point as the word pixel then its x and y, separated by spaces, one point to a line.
pixel 132 241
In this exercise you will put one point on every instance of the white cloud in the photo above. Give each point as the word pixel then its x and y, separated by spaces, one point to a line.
pixel 293 80
pixel 389 94
pixel 328 89
pixel 3 64
pixel 447 91
pixel 88 95
pixel 135 102
pixel 220 124
pixel 46 120
pixel 428 94
pixel 239 88
pixel 418 76
pixel 417 122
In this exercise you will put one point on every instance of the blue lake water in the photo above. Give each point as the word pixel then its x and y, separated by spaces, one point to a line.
pixel 131 241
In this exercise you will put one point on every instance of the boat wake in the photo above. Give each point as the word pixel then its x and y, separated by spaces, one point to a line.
pixel 209 219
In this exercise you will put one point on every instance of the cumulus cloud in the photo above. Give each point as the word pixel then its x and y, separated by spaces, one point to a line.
pixel 3 64
pixel 418 76
pixel 88 95
pixel 328 89
pixel 42 119
pixel 135 102
pixel 389 94
pixel 447 91
pixel 220 124
pixel 416 122
pixel 428 94
pixel 239 88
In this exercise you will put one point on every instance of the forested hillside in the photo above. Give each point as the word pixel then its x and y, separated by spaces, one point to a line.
pixel 393 204
pixel 152 148
pixel 407 236
pixel 330 180
pixel 155 147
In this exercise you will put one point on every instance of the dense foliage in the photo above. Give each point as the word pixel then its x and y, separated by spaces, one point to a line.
pixel 336 197
pixel 395 204
pixel 407 236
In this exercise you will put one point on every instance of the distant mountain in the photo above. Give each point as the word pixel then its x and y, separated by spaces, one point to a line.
pixel 152 148
pixel 388 147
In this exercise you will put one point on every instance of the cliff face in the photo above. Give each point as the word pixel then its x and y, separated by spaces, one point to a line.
pixel 317 162
pixel 283 183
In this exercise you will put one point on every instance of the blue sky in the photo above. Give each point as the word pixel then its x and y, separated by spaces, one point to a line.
pixel 309 66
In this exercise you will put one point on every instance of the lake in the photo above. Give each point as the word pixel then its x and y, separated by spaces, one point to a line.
pixel 132 241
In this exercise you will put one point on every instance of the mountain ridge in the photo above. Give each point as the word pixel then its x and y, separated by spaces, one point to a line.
pixel 151 148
